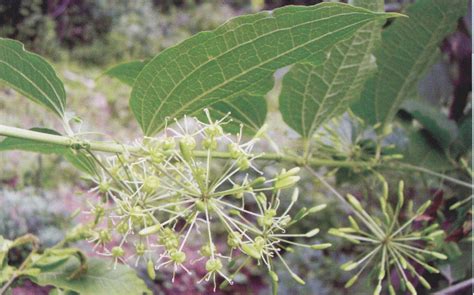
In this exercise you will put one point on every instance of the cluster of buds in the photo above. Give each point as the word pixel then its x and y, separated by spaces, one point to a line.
pixel 389 245
pixel 182 190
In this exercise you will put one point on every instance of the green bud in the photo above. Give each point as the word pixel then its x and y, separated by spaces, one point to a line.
pixel 286 182
pixel 351 281
pixel 257 181
pixel 117 252
pixel 150 269
pixel 186 146
pixel 300 214
pixel 243 163
pixel 316 208
pixel 438 255
pixel 206 250
pixel 321 246
pixel 261 198
pixel 391 290
pixel 104 187
pixel 378 289
pixel 140 249
pixel 411 288
pixel 104 236
pixel 424 282
pixel 209 143
pixel 201 206
pixel 354 202
pixel 348 266
pixel 150 230
pixel 251 251
pixel 312 233
pixel 423 207
pixel 354 223
pixel 297 279
pixel 294 196
pixel 177 256
pixel 151 184
pixel 213 265
pixel 401 187
pixel 233 240
pixel 234 151
pixel 273 276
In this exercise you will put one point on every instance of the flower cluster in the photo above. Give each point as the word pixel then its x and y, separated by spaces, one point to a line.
pixel 390 245
pixel 181 189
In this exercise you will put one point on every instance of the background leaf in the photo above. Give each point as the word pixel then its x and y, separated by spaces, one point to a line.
pixel 31 75
pixel 409 47
pixel 238 59
pixel 79 159
pixel 126 72
pixel 100 278
pixel 311 95
pixel 443 130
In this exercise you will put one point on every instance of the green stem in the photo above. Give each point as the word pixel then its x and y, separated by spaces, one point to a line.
pixel 112 147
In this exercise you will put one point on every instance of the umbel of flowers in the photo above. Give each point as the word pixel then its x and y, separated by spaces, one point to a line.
pixel 160 199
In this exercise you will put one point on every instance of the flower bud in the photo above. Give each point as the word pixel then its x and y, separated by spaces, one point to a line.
pixel 321 246
pixel 213 265
pixel 177 256
pixel 250 250
pixel 243 163
pixel 286 182
pixel 150 269
pixel 117 252
pixel 150 230
pixel 273 276
pixel 186 146
pixel 297 279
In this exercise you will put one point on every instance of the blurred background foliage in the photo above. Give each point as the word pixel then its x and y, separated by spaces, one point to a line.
pixel 85 37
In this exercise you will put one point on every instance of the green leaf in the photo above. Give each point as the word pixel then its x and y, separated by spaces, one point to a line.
pixel 248 111
pixel 409 47
pixel 100 278
pixel 126 72
pixel 31 75
pixel 443 130
pixel 237 60
pixel 422 151
pixel 311 95
pixel 78 159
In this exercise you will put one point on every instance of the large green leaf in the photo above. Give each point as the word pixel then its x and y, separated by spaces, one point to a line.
pixel 237 60
pixel 79 159
pixel 31 75
pixel 311 95
pixel 100 278
pixel 248 111
pixel 409 47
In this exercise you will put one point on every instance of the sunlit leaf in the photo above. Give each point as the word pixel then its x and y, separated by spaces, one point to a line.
pixel 237 60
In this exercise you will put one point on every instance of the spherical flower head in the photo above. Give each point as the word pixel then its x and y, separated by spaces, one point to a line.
pixel 166 196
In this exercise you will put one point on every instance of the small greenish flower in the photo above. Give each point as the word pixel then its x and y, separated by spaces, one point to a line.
pixel 388 243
